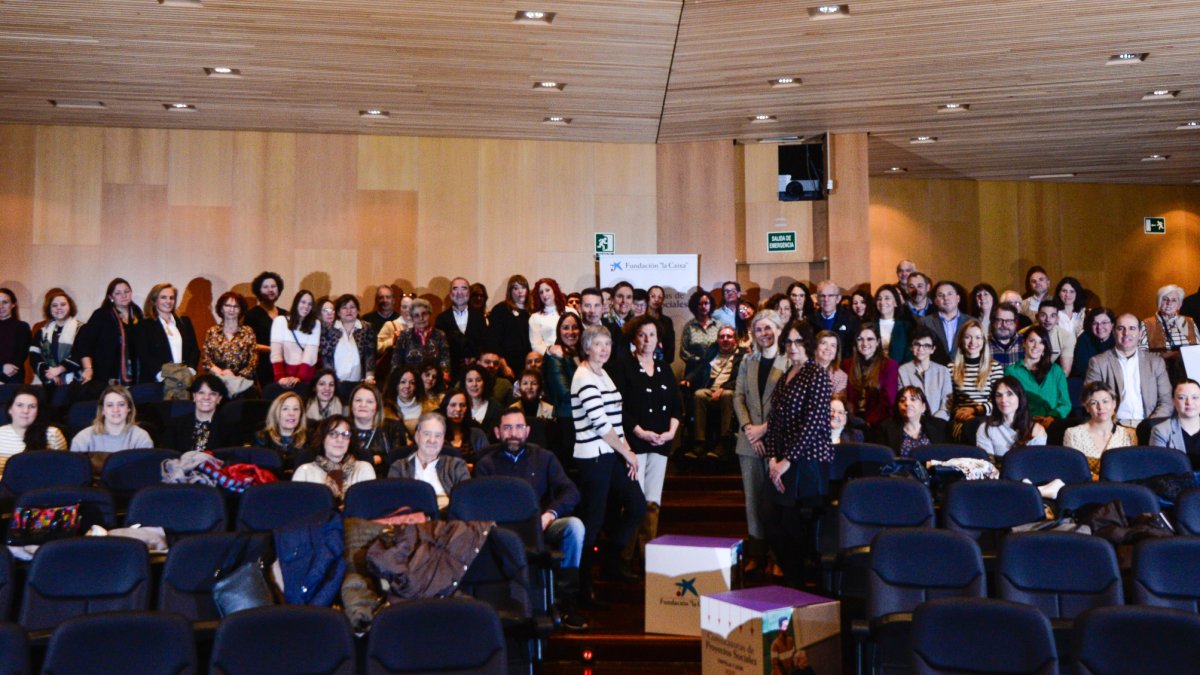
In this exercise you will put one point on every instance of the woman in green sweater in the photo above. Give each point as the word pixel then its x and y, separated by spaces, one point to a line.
pixel 1044 381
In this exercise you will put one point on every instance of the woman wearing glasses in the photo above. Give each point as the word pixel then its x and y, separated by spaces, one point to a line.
pixel 933 379
pixel 335 466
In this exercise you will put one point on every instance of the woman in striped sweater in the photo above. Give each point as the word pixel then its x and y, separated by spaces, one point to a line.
pixel 607 465
pixel 972 377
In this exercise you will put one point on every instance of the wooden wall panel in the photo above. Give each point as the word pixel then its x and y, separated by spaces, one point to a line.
pixel 849 210
pixel 67 184
pixel 387 163
pixel 201 168
pixel 994 230
pixel 18 148
pixel 697 205
pixel 135 156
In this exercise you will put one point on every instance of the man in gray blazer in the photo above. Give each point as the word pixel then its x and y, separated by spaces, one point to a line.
pixel 751 405
pixel 1125 363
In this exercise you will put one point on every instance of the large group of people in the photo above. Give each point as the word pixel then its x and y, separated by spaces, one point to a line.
pixel 402 391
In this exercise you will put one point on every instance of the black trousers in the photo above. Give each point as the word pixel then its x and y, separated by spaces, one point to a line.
pixel 609 496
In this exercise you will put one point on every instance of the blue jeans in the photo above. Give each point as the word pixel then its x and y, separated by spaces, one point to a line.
pixel 567 535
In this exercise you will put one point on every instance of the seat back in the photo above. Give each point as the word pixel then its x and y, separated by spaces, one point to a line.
pixel 976 635
pixel 1187 512
pixel 266 507
pixel 27 471
pixel 510 502
pixel 1114 640
pixel 945 451
pixel 81 414
pixel 1042 464
pixel 128 471
pixel 1164 573
pixel 1063 574
pixel 14 650
pixel 178 508
pixel 263 458
pixel 284 639
pixel 979 507
pixel 871 505
pixel 188 574
pixel 95 504
pixel 124 642
pixel 912 565
pixel 85 575
pixel 499 576
pixel 376 498
pixel 1141 461
pixel 411 638
pixel 8 586
pixel 243 417
pixel 1135 499
pixel 851 456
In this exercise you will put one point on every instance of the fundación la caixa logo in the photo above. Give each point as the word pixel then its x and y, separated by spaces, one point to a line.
pixel 614 266
pixel 686 586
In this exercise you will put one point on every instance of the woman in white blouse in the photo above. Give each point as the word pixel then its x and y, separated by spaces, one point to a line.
pixel 1101 432
pixel 295 339
pixel 50 353
pixel 335 466
pixel 548 304
pixel 164 338
pixel 1010 424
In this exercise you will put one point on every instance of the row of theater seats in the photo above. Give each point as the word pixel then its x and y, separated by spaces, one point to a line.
pixel 1053 585
pixel 447 635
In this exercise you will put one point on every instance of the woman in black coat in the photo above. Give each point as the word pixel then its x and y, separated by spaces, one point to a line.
pixel 912 426
pixel 508 324
pixel 163 337
pixel 14 339
pixel 106 343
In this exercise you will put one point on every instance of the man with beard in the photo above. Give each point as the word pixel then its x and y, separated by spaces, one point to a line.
pixel 1007 347
pixel 267 287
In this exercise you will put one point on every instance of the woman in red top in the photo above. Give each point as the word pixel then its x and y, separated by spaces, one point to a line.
pixel 873 377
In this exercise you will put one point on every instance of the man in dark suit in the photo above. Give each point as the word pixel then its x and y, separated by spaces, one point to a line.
pixel 830 315
pixel 945 322
pixel 465 328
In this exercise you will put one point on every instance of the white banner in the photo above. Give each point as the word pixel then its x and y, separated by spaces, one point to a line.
pixel 677 272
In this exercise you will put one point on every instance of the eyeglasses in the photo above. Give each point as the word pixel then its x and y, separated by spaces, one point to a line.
pixel 230 306
pixel 339 434
pixel 1006 321
pixel 792 341
pixel 922 345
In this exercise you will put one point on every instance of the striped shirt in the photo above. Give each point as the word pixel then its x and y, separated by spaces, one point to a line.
pixel 596 407
pixel 968 393
pixel 11 443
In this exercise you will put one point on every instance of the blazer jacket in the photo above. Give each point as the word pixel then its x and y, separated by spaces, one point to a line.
pixel 749 407
pixel 463 345
pixel 153 350
pixel 891 432
pixel 937 385
pixel 945 352
pixel 1168 434
pixel 1156 387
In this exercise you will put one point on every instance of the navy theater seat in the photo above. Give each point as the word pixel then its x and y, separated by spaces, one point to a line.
pixel 946 451
pixel 1042 464
pixel 975 635
pixel 14 650
pixel 1135 499
pixel 377 498
pixel 27 471
pixel 122 642
pixel 188 574
pixel 1124 464
pixel 284 639
pixel 985 510
pixel 95 504
pixel 1132 639
pixel 411 638
pixel 266 507
pixel 85 575
pixel 1165 573
pixel 180 509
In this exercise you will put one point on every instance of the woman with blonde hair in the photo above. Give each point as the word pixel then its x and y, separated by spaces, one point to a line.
pixel 164 339
pixel 286 430
pixel 115 426
pixel 972 376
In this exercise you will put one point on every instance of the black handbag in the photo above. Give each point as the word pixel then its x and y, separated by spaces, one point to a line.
pixel 240 586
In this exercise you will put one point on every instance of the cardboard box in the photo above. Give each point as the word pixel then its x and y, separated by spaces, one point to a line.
pixel 679 570
pixel 770 630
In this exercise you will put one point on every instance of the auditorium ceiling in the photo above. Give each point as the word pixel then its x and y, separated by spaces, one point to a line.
pixel 1034 87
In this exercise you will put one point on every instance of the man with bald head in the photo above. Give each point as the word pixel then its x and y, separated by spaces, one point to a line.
pixel 832 315
pixel 903 269
pixel 465 328
pixel 1139 377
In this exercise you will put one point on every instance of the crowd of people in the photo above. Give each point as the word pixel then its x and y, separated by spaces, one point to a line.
pixel 583 389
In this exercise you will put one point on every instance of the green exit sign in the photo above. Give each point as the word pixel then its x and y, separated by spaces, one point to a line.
pixel 781 242
pixel 1154 225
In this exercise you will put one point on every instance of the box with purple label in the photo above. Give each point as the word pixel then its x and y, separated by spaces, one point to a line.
pixel 680 569
pixel 767 630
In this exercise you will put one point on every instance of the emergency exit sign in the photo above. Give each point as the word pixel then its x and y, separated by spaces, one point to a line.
pixel 781 242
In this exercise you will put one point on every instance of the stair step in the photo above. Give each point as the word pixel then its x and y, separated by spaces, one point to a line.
pixel 702 483
pixel 606 648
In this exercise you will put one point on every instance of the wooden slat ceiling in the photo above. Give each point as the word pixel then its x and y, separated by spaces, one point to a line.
pixel 1042 100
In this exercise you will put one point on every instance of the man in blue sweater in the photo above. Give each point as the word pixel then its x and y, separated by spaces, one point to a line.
pixel 517 458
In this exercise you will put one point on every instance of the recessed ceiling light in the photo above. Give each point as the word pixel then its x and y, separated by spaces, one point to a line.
pixel 77 103
pixel 1160 95
pixel 828 11
pixel 180 107
pixel 533 16
pixel 761 119
pixel 549 85
pixel 953 107
pixel 897 169
pixel 923 139
pixel 1127 57
pixel 784 82
pixel 1052 175
pixel 557 120
pixel 1155 158
pixel 374 113
pixel 222 71
pixel 181 3
pixel 1193 124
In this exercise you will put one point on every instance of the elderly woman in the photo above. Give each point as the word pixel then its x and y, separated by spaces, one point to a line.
pixel 107 340
pixel 548 305
pixel 608 467
pixel 700 332
pixel 429 464
pixel 422 342
pixel 933 379
pixel 1009 426
pixel 324 400
pixel 1097 338
pixel 348 347
pixel 115 426
pixel 27 430
pixel 758 374
pixel 296 342
pixel 267 288
pixel 797 445
pixel 335 465
pixel 14 339
pixel 1101 432
pixel 1168 330
pixel 163 338
pixel 51 355
pixel 1182 430
pixel 286 429
pixel 508 323
pixel 229 346
pixel 840 430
